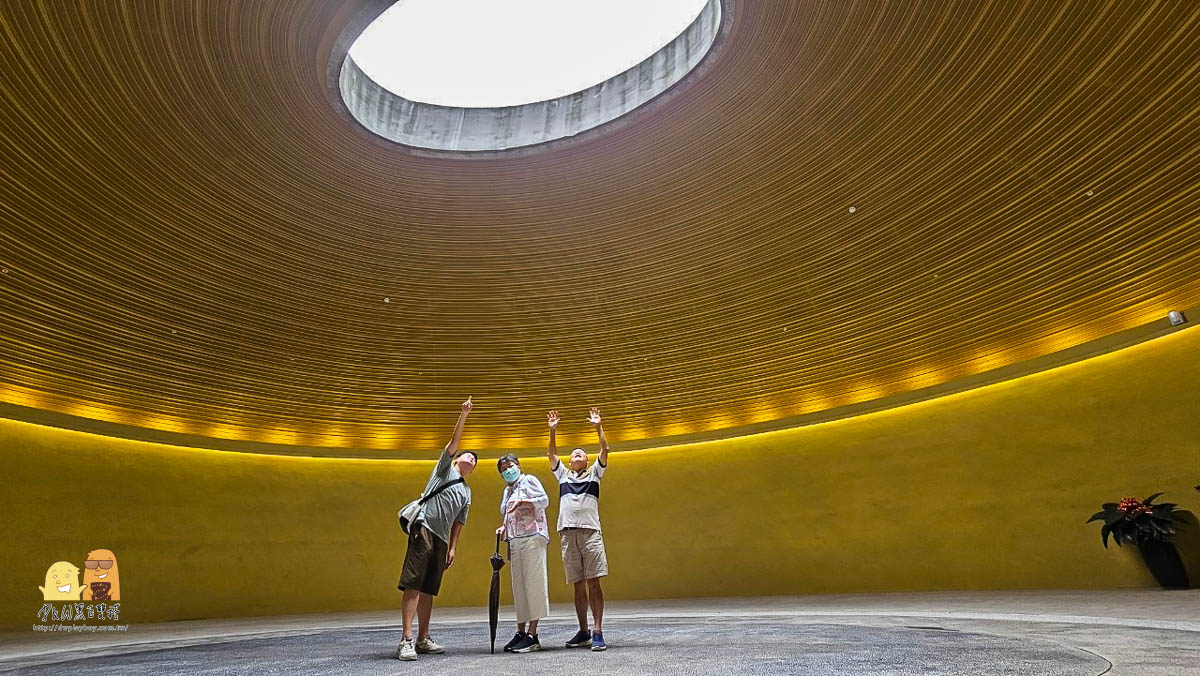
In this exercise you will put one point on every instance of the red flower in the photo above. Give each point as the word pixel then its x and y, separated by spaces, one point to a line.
pixel 1130 505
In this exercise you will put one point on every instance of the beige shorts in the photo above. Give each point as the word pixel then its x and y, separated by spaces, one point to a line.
pixel 583 554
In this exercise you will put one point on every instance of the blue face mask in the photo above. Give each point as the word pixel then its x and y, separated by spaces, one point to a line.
pixel 510 475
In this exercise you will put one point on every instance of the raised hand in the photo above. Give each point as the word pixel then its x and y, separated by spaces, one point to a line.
pixel 452 447
pixel 552 419
pixel 594 418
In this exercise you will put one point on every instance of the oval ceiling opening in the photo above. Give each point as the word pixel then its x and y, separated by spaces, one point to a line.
pixel 472 75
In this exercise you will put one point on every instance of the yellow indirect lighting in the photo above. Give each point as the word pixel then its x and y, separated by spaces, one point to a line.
pixel 222 431
pixel 1095 362
pixel 21 396
pixel 802 406
pixel 632 433
pixel 1055 342
pixel 405 435
pixel 761 415
pixel 987 361
pixel 280 436
pixel 867 393
pixel 923 378
pixel 91 411
pixel 377 442
pixel 167 424
pixel 675 428
pixel 818 403
pixel 719 421
pixel 338 436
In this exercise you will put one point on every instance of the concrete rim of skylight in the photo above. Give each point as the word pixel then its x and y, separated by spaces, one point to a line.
pixel 429 129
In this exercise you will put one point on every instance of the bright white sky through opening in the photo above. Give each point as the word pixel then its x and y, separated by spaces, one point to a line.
pixel 490 53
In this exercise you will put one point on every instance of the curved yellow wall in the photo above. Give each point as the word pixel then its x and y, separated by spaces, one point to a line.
pixel 982 490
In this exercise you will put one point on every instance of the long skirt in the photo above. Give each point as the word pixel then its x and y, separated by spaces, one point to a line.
pixel 531 593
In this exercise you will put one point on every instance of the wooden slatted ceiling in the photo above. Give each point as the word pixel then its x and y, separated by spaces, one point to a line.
pixel 196 240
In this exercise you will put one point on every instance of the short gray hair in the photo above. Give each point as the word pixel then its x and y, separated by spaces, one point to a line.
pixel 506 458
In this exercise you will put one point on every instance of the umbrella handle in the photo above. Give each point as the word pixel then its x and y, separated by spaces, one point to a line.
pixel 497 544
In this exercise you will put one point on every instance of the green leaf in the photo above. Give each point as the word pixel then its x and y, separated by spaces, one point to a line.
pixel 1150 499
pixel 1095 517
pixel 1104 531
pixel 1113 518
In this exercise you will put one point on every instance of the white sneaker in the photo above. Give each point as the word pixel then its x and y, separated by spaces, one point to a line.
pixel 407 651
pixel 427 646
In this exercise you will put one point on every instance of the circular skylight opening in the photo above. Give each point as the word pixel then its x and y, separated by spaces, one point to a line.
pixel 472 75
pixel 485 53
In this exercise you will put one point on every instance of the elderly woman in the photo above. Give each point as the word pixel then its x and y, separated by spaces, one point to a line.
pixel 523 508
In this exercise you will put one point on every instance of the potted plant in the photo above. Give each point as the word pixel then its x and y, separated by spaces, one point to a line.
pixel 1151 527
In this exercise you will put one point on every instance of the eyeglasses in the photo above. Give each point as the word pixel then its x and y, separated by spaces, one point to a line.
pixel 104 565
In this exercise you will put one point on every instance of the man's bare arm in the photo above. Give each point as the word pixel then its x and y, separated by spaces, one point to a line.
pixel 594 418
pixel 552 451
pixel 452 447
pixel 454 531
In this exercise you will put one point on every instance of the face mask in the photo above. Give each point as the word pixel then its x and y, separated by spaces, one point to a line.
pixel 510 475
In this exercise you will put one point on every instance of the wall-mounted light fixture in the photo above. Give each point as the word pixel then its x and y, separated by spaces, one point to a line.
pixel 1176 318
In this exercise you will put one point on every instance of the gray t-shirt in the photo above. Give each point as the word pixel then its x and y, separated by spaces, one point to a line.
pixel 443 509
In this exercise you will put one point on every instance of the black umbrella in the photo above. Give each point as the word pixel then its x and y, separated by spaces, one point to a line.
pixel 494 594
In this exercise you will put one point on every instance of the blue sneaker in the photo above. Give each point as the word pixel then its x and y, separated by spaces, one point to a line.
pixel 581 639
pixel 598 643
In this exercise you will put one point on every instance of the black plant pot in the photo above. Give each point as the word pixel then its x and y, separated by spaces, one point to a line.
pixel 1164 563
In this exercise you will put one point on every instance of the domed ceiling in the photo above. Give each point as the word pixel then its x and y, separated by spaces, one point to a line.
pixel 846 201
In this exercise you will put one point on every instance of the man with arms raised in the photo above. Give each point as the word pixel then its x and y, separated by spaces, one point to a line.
pixel 584 560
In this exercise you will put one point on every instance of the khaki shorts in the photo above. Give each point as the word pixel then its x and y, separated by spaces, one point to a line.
pixel 424 562
pixel 583 554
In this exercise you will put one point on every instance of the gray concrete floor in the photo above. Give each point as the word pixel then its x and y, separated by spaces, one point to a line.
pixel 1037 632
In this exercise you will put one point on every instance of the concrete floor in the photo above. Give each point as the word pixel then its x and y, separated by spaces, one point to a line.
pixel 1127 632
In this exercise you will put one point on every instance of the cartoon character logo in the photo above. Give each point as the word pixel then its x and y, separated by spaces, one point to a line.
pixel 62 582
pixel 100 578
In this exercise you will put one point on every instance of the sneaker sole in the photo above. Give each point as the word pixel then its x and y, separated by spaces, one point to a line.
pixel 431 652
pixel 530 649
pixel 404 658
pixel 599 648
pixel 579 645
